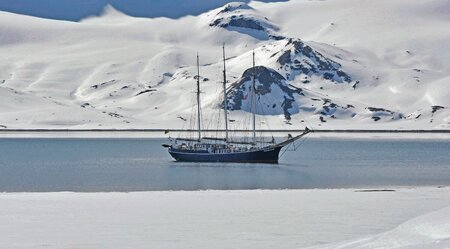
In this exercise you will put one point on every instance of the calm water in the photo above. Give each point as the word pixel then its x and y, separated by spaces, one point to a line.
pixel 126 164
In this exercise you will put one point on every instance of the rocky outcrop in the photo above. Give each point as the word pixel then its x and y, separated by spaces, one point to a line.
pixel 242 18
pixel 378 113
pixel 297 58
pixel 274 95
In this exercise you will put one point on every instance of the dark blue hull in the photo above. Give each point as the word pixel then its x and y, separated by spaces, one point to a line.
pixel 268 155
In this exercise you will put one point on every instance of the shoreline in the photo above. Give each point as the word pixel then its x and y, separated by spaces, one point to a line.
pixel 368 189
pixel 208 130
pixel 161 133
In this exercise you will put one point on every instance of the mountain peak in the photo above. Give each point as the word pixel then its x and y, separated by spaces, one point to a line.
pixel 242 18
pixel 234 6
pixel 108 14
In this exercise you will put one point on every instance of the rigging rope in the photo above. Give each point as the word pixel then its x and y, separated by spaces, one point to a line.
pixel 295 148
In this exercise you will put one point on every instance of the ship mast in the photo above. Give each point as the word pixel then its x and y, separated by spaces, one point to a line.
pixel 198 100
pixel 225 104
pixel 254 100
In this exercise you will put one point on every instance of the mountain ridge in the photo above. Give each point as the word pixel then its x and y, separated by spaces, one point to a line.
pixel 139 72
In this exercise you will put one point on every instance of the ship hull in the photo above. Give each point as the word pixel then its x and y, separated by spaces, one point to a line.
pixel 267 155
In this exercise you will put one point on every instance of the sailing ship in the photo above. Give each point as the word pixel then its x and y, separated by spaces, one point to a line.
pixel 224 149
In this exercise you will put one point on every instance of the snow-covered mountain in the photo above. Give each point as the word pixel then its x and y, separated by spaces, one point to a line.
pixel 330 64
pixel 240 17
pixel 272 93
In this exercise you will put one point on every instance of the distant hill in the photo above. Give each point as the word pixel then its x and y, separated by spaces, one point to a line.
pixel 74 10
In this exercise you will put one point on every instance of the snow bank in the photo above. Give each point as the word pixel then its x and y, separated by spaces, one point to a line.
pixel 431 231
pixel 223 219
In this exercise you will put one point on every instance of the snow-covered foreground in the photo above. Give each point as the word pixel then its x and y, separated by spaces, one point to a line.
pixel 227 219
pixel 428 231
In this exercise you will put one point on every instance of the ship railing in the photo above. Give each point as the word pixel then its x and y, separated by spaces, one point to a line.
pixel 214 138
pixel 238 142
pixel 187 139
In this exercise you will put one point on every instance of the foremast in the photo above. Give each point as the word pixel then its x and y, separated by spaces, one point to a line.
pixel 254 100
pixel 225 101
pixel 199 118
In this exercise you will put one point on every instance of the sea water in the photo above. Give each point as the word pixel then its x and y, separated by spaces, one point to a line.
pixel 135 164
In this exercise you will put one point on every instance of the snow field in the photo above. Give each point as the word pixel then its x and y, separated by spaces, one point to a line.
pixel 226 219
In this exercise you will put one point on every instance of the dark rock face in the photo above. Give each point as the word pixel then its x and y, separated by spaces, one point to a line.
pixel 237 21
pixel 103 84
pixel 299 58
pixel 242 18
pixel 331 109
pixel 84 105
pixel 234 6
pixel 435 108
pixel 145 91
pixel 376 109
pixel 285 58
pixel 273 94
pixel 378 113
pixel 376 118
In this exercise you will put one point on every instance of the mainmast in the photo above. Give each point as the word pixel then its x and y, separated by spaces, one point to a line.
pixel 225 101
pixel 198 100
pixel 254 100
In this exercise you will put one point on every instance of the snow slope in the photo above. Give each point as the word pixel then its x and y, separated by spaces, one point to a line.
pixel 431 231
pixel 361 64
pixel 226 219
